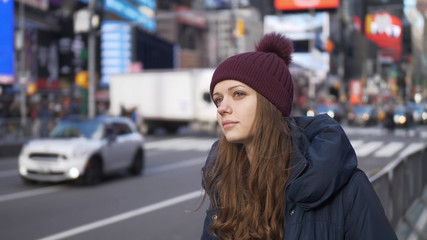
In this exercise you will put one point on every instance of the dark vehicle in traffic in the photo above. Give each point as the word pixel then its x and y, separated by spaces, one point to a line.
pixel 363 115
pixel 333 110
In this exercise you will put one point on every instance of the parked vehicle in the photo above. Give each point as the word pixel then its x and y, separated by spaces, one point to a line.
pixel 166 99
pixel 363 115
pixel 333 110
pixel 83 150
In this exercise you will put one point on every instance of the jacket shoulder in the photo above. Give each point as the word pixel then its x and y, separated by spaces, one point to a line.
pixel 365 216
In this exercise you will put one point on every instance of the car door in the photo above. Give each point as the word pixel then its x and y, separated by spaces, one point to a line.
pixel 125 144
pixel 111 149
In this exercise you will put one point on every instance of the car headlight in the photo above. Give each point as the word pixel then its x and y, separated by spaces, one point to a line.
pixel 331 113
pixel 23 170
pixel 310 113
pixel 74 172
pixel 365 116
pixel 424 116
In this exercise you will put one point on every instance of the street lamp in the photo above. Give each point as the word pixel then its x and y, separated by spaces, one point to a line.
pixel 93 19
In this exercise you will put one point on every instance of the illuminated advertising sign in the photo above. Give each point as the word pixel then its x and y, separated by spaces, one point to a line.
pixel 6 42
pixel 116 49
pixel 386 31
pixel 303 28
pixel 356 91
pixel 140 12
pixel 213 4
pixel 292 5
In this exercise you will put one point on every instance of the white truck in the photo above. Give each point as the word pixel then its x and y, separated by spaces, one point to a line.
pixel 167 99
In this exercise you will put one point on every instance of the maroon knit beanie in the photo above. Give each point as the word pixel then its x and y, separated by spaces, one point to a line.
pixel 266 71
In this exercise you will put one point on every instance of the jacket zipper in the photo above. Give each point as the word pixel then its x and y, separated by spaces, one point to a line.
pixel 296 176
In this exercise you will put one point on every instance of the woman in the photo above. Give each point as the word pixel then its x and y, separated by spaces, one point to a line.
pixel 271 176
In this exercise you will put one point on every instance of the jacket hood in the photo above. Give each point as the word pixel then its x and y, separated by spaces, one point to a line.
pixel 323 161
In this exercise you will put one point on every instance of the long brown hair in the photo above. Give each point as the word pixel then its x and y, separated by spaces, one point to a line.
pixel 250 198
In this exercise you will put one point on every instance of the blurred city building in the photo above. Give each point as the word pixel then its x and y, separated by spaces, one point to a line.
pixel 348 51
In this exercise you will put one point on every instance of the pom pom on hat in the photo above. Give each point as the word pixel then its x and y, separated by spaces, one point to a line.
pixel 265 70
pixel 278 44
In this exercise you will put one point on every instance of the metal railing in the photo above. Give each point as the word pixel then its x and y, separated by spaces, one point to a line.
pixel 400 183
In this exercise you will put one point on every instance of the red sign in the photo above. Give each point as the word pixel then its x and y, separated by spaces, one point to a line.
pixel 386 31
pixel 356 91
pixel 288 5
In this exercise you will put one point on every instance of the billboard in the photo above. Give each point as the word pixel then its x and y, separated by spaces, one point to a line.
pixel 140 12
pixel 386 31
pixel 6 42
pixel 214 4
pixel 309 33
pixel 116 49
pixel 295 5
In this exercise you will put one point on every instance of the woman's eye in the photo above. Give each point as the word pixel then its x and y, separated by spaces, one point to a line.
pixel 239 94
pixel 217 101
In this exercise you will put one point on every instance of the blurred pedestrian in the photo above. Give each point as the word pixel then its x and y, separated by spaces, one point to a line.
pixel 271 176
pixel 389 123
pixel 410 124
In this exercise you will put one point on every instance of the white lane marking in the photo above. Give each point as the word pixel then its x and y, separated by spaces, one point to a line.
pixel 174 166
pixel 366 149
pixel 356 143
pixel 9 173
pixel 30 193
pixel 125 215
pixel 413 147
pixel 389 150
pixel 161 143
pixel 181 144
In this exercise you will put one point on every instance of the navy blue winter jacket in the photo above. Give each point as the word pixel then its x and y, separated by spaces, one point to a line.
pixel 327 196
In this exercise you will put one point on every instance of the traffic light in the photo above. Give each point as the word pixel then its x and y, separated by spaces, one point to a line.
pixel 82 79
pixel 240 28
pixel 31 88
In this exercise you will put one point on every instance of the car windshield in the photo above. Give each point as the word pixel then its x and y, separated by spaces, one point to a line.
pixel 325 108
pixel 91 129
pixel 365 109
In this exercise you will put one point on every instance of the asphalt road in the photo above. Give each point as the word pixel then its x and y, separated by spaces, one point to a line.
pixel 160 204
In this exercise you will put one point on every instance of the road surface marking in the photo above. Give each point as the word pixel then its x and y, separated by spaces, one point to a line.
pixel 30 193
pixel 173 166
pixel 389 150
pixel 125 215
pixel 356 143
pixel 181 144
pixel 366 149
pixel 413 147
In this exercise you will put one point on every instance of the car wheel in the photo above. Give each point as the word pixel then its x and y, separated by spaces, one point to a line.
pixel 137 163
pixel 93 172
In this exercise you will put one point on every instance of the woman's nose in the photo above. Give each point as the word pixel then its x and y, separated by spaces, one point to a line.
pixel 224 107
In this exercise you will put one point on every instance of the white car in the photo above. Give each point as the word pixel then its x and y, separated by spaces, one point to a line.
pixel 83 150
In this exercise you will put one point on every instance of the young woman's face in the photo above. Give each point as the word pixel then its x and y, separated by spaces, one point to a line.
pixel 236 107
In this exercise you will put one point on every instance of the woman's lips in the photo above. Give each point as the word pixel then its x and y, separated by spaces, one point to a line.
pixel 226 124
